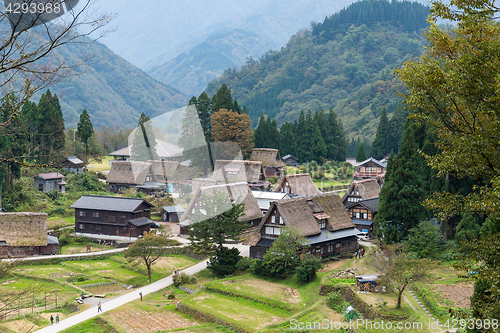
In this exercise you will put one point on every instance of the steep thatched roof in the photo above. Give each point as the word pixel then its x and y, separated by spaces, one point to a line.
pixel 128 172
pixel 368 189
pixel 247 171
pixel 301 183
pixel 269 157
pixel 23 229
pixel 300 213
pixel 198 183
pixel 163 169
pixel 237 192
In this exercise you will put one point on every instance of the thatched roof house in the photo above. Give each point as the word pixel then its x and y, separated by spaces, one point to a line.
pixel 321 218
pixel 163 169
pixel 164 150
pixel 236 192
pixel 299 184
pixel 362 190
pixel 271 161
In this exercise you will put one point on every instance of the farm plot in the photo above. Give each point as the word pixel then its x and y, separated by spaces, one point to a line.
pixel 137 321
pixel 269 292
pixel 459 294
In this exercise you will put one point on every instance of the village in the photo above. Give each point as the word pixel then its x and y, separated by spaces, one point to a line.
pixel 88 268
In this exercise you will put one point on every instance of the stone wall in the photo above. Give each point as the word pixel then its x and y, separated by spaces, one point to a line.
pixel 23 229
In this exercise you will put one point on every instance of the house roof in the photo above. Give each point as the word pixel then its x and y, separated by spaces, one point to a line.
pixel 163 169
pixel 269 157
pixel 128 172
pixel 327 235
pixel 139 222
pixel 362 222
pixel 368 189
pixel 23 229
pixel 248 171
pixel 301 183
pixel 289 156
pixel 299 213
pixel 370 204
pixel 352 160
pixel 237 192
pixel 115 204
pixel 264 199
pixel 74 159
pixel 371 159
pixel 163 149
pixel 51 240
pixel 174 209
pixel 50 175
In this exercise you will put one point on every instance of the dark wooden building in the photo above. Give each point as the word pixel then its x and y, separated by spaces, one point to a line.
pixel 291 160
pixel 321 218
pixel 172 213
pixel 362 214
pixel 369 169
pixel 361 190
pixel 73 164
pixel 271 161
pixel 114 216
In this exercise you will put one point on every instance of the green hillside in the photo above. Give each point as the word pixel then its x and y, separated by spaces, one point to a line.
pixel 345 63
pixel 113 91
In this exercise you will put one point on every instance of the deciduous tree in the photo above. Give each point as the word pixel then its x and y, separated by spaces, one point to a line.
pixel 228 126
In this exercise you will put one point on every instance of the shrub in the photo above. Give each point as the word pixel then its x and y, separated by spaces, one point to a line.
pixel 52 194
pixel 259 268
pixel 244 264
pixel 224 262
pixel 307 270
pixel 273 180
pixel 336 301
pixel 193 280
pixel 171 295
pixel 180 279
pixel 81 278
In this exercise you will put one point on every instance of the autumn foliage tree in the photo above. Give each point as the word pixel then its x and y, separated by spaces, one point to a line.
pixel 229 126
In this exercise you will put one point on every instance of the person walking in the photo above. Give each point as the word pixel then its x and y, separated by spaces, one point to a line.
pixel 57 318
pixel 99 307
pixel 51 320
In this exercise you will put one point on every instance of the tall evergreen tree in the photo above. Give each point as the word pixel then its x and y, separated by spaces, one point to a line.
pixel 204 108
pixel 50 123
pixel 287 139
pixel 336 141
pixel 318 147
pixel 361 154
pixel 274 135
pixel 306 128
pixel 84 131
pixel 261 133
pixel 222 99
pixel 144 141
pixel 381 144
pixel 402 193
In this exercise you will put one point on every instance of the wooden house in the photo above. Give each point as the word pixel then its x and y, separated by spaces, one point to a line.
pixel 321 218
pixel 166 151
pixel 291 160
pixel 299 184
pixel 265 199
pixel 114 216
pixel 362 214
pixel 50 181
pixel 139 175
pixel 271 161
pixel 237 171
pixel 25 234
pixel 172 213
pixel 73 164
pixel 362 190
pixel 236 192
pixel 369 169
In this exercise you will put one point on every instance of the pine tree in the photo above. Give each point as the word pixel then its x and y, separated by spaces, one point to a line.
pixel 380 146
pixel 318 148
pixel 336 141
pixel 50 123
pixel 261 133
pixel 222 99
pixel 274 135
pixel 193 140
pixel 144 142
pixel 204 108
pixel 287 139
pixel 84 131
pixel 361 154
pixel 306 129
pixel 402 193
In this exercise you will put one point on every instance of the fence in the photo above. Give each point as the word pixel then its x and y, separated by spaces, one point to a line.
pixel 24 302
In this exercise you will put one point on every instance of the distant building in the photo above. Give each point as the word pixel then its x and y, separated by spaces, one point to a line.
pixel 236 192
pixel 265 199
pixel 166 151
pixel 291 160
pixel 172 213
pixel 271 161
pixel 363 214
pixel 50 181
pixel 369 169
pixel 25 234
pixel 73 164
pixel 298 184
pixel 321 219
pixel 113 216
pixel 362 190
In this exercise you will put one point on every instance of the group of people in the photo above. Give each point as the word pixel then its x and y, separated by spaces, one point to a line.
pixel 175 271
pixel 52 319
pixel 359 253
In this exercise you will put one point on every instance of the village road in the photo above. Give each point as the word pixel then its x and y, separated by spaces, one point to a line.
pixel 119 301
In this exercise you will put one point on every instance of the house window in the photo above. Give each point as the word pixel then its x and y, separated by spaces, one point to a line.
pixel 269 230
pixel 203 211
pixel 322 223
pixel 365 215
pixel 123 217
pixel 281 220
pixel 322 250
pixel 337 245
pixel 95 214
pixel 112 218
pixel 82 226
pixel 276 219
pixel 357 215
pixel 98 227
pixel 82 213
pixel 148 178
pixel 273 231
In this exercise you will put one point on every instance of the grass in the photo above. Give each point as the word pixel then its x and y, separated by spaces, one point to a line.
pixel 82 248
pixel 94 325
pixel 55 222
pixel 93 165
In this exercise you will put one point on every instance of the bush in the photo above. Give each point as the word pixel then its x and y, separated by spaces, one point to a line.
pixel 336 301
pixel 84 183
pixel 259 268
pixel 52 194
pixel 224 262
pixel 171 295
pixel 181 279
pixel 308 267
pixel 244 264
pixel 194 280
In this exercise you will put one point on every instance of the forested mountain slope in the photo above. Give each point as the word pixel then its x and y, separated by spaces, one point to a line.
pixel 190 72
pixel 113 91
pixel 345 63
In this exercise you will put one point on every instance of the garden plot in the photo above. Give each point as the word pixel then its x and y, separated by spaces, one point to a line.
pixel 459 294
pixel 137 321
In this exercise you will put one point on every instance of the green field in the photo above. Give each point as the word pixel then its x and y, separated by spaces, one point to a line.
pixel 93 165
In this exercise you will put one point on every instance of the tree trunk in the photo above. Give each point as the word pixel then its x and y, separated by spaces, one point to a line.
pixel 398 306
pixel 85 158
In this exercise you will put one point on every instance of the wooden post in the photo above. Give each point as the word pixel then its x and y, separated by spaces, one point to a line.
pixel 56 300
pixel 33 304
pixel 45 300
